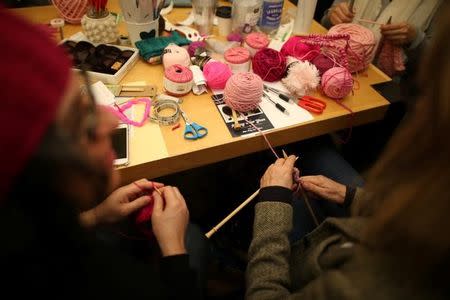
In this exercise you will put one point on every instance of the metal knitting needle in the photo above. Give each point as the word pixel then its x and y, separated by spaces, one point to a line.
pixel 277 105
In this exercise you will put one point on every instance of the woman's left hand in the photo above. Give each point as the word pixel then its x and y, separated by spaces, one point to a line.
pixel 399 34
pixel 120 204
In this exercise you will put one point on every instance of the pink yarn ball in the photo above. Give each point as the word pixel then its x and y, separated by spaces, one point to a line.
pixel 361 46
pixel 194 45
pixel 302 78
pixel 175 55
pixel 243 91
pixel 337 83
pixel 216 74
pixel 269 64
pixel 296 48
pixel 322 63
pixel 234 37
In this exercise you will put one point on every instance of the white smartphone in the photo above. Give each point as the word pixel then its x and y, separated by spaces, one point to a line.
pixel 120 143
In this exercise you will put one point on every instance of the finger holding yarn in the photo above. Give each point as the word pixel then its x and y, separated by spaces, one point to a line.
pixel 361 46
pixel 217 74
pixel 243 91
pixel 269 64
pixel 302 77
pixel 337 83
pixel 295 47
pixel 175 55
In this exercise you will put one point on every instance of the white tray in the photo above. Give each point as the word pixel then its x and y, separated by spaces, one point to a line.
pixel 107 78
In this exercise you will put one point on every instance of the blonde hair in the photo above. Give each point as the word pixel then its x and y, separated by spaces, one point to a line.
pixel 409 188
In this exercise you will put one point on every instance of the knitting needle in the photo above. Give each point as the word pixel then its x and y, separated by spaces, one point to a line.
pixel 227 218
pixel 369 21
pixel 153 186
pixel 237 125
pixel 305 197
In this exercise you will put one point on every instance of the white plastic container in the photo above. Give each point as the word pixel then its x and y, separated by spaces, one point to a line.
pixel 304 17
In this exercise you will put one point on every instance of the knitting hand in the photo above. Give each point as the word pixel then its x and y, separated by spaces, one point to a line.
pixel 340 13
pixel 279 173
pixel 399 34
pixel 169 221
pixel 324 187
pixel 120 204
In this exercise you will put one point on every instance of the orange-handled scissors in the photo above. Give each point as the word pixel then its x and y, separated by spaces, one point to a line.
pixel 312 104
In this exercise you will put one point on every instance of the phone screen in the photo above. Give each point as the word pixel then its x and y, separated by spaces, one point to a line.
pixel 119 142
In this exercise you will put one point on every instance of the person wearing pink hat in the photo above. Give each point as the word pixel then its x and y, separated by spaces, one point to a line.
pixel 56 164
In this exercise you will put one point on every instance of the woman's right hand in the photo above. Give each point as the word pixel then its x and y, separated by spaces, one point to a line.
pixel 279 173
pixel 324 187
pixel 340 13
pixel 169 220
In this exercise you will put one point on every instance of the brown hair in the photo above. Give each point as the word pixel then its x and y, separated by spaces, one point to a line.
pixel 409 188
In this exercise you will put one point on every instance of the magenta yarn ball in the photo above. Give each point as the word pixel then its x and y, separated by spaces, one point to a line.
pixel 296 48
pixel 322 63
pixel 216 74
pixel 269 64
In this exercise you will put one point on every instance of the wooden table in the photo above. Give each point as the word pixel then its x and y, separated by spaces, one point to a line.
pixel 180 154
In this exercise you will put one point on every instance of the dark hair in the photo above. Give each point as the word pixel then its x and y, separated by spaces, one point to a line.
pixel 58 182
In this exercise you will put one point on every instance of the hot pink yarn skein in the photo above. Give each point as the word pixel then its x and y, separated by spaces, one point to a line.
pixel 194 45
pixel 296 48
pixel 269 64
pixel 243 91
pixel 216 74
pixel 337 83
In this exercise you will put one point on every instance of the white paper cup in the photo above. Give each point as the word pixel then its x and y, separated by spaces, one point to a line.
pixel 140 31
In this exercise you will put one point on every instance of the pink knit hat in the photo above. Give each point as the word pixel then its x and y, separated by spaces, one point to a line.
pixel 34 73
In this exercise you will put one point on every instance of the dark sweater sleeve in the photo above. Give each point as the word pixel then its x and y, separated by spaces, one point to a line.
pixel 275 193
pixel 180 280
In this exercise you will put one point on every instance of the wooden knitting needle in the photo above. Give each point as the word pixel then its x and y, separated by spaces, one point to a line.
pixel 237 125
pixel 369 21
pixel 227 218
pixel 305 197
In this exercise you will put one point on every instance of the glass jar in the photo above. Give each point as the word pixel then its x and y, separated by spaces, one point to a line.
pixel 245 15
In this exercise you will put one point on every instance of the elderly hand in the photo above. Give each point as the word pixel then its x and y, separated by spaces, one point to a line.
pixel 324 187
pixel 399 34
pixel 279 173
pixel 340 13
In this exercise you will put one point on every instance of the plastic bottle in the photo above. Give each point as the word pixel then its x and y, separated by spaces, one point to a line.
pixel 245 15
pixel 271 11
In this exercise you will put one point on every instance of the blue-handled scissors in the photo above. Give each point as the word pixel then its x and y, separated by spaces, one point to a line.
pixel 192 130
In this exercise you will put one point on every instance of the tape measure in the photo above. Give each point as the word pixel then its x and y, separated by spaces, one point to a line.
pixel 164 119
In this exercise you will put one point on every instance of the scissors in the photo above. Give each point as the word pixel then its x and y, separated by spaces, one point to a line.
pixel 312 104
pixel 193 131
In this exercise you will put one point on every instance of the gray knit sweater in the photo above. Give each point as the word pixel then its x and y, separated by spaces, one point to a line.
pixel 329 263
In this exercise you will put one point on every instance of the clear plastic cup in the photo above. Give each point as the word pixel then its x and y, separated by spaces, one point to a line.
pixel 204 11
